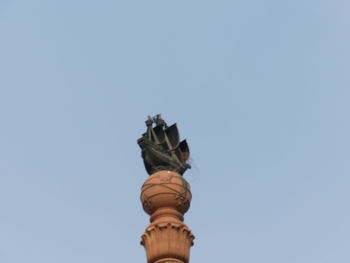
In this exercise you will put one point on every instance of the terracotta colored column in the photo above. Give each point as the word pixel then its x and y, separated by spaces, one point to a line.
pixel 166 197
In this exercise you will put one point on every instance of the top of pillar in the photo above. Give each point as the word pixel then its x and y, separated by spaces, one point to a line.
pixel 161 148
pixel 164 190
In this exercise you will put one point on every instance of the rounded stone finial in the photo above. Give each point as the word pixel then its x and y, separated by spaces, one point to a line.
pixel 166 196
pixel 165 189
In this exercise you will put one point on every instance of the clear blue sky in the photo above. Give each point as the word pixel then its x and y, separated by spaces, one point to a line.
pixel 260 89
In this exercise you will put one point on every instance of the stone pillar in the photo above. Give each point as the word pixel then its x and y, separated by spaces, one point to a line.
pixel 166 197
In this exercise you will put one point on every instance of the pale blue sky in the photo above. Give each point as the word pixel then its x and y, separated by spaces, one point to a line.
pixel 260 89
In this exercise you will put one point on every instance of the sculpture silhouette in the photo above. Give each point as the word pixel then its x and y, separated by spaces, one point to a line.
pixel 161 147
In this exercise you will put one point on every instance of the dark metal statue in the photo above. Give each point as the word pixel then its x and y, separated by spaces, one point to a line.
pixel 161 147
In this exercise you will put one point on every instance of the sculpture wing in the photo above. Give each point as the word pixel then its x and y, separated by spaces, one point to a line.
pixel 173 135
pixel 185 150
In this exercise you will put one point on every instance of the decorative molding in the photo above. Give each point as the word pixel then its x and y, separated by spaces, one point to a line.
pixel 166 197
pixel 167 240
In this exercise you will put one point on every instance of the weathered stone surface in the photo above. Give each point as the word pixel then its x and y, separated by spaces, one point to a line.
pixel 165 189
pixel 166 196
